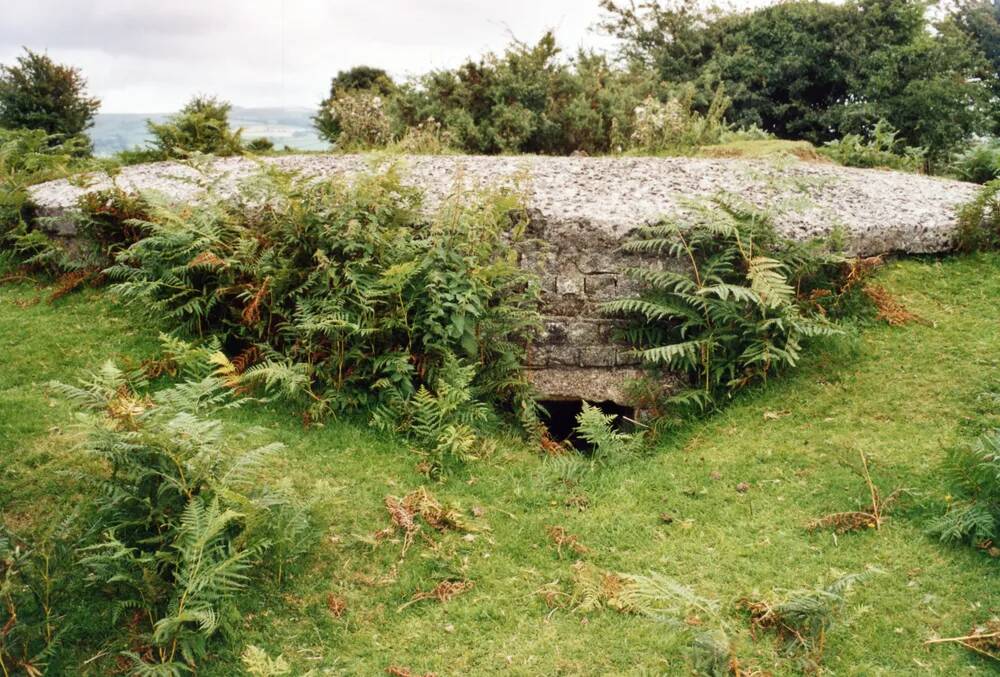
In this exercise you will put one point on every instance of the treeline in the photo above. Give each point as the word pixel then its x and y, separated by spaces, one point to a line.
pixel 900 83
pixel 796 70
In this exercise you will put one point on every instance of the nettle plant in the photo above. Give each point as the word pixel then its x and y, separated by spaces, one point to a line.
pixel 727 302
pixel 345 295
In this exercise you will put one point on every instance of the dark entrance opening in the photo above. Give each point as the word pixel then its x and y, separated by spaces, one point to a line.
pixel 561 419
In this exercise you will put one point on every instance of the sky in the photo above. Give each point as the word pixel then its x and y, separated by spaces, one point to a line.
pixel 150 56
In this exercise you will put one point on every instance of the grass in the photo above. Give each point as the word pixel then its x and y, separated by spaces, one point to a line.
pixel 901 395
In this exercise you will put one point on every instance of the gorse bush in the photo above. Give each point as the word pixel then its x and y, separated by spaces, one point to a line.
pixel 527 100
pixel 882 149
pixel 184 522
pixel 343 295
pixel 724 306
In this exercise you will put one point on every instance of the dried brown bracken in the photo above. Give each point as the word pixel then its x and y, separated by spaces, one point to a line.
pixel 336 604
pixel 445 591
pixel 889 309
pixel 70 281
pixel 418 503
pixel 984 639
pixel 551 447
pixel 563 538
pixel 872 517
pixel 400 671
pixel 251 314
pixel 206 260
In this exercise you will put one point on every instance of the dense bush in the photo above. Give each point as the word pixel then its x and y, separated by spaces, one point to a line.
pixel 675 126
pixel 726 308
pixel 361 119
pixel 183 523
pixel 358 79
pixel 343 294
pixel 201 126
pixel 979 220
pixel 979 164
pixel 528 101
pixel 881 149
pixel 817 71
pixel 37 93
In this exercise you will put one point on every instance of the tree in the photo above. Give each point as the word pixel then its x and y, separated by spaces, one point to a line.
pixel 37 93
pixel 202 126
pixel 357 79
pixel 676 39
pixel 819 70
pixel 980 21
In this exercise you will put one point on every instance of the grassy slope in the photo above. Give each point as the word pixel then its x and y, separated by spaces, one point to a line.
pixel 901 396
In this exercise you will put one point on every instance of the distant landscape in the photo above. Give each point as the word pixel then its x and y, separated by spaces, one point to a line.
pixel 292 127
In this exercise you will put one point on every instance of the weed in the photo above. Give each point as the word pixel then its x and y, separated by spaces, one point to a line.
pixel 802 618
pixel 872 517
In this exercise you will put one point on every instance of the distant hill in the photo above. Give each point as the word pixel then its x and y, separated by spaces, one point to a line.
pixel 291 127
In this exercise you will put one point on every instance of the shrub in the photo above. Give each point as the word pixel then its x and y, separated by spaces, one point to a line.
pixel 28 157
pixel 979 164
pixel 881 150
pixel 39 94
pixel 528 100
pixel 357 79
pixel 674 125
pixel 202 126
pixel 723 308
pixel 975 473
pixel 979 220
pixel 361 119
pixel 259 145
pixel 35 587
pixel 183 522
pixel 343 294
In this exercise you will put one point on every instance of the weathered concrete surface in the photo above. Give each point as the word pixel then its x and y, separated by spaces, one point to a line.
pixel 583 208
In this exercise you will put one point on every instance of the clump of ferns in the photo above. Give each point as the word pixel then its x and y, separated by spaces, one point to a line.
pixel 801 619
pixel 37 589
pixel 351 296
pixel 722 302
pixel 973 516
pixel 184 520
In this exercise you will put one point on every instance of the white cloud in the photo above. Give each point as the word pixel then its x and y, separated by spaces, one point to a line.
pixel 152 55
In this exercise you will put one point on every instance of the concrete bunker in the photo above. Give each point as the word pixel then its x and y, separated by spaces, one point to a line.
pixel 582 209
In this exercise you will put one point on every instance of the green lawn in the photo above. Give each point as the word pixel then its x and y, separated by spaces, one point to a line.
pixel 900 395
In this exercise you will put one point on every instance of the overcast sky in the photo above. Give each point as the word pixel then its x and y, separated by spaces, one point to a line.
pixel 147 56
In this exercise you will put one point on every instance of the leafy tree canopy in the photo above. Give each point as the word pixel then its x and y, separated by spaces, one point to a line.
pixel 38 93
